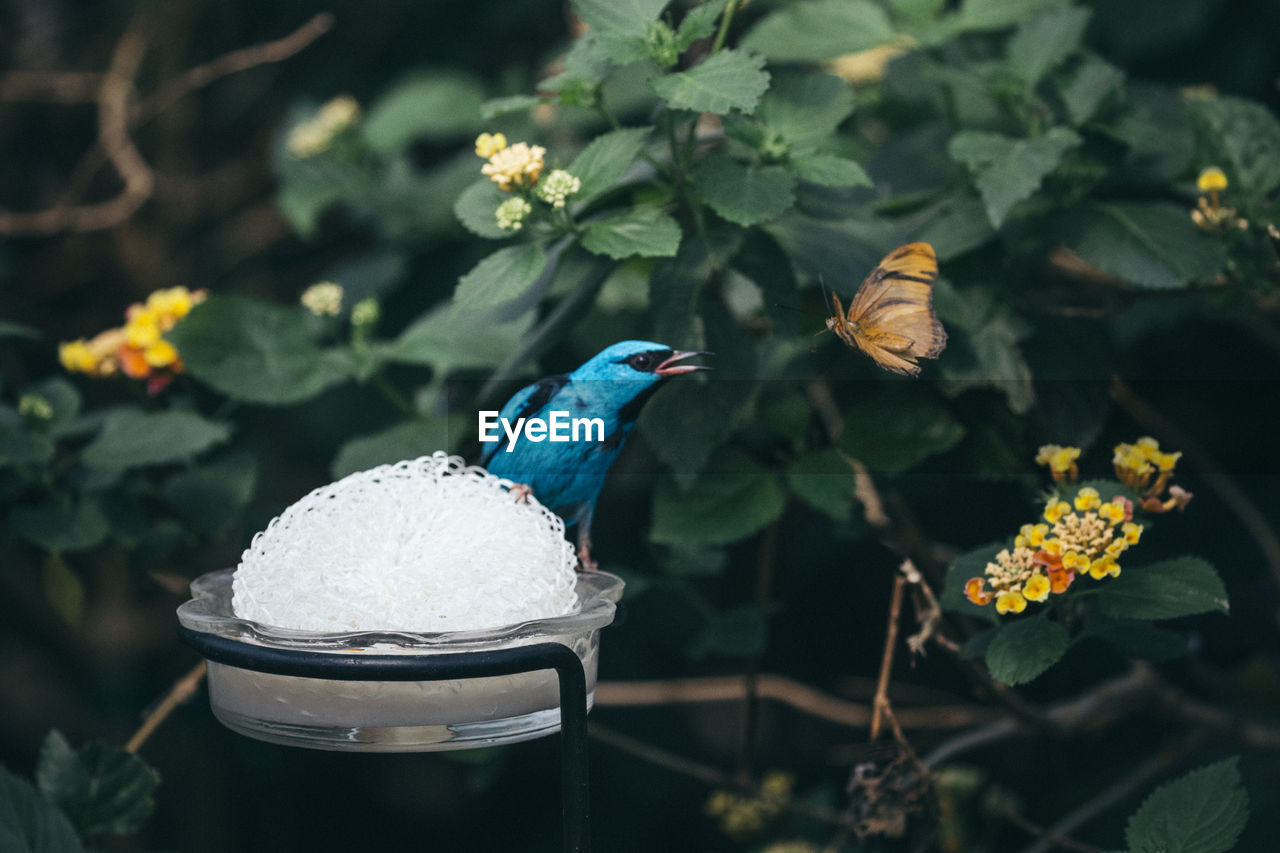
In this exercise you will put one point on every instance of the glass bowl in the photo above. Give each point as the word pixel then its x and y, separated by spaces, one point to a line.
pixel 395 716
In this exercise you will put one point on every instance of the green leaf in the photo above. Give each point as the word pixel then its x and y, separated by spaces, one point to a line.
pixel 1136 639
pixel 29 823
pixel 475 208
pixel 745 195
pixel 1180 587
pixel 437 106
pixel 729 80
pixel 210 498
pixel 676 285
pixel 1086 86
pixel 1202 812
pixel 253 351
pixel 997 14
pixel 619 17
pixel 732 499
pixel 451 337
pixel 18 444
pixel 63 399
pixel 676 426
pixel 815 30
pixel 496 107
pixel 603 162
pixel 1245 136
pixel 829 170
pixel 407 440
pixel 804 108
pixel 59 527
pixel 1151 244
pixel 63 589
pixel 1025 648
pixel 500 277
pixel 969 565
pixel 824 480
pixel 694 562
pixel 741 632
pixel 699 23
pixel 955 225
pixel 1007 170
pixel 643 231
pixel 132 439
pixel 1044 40
pixel 103 789
pixel 894 431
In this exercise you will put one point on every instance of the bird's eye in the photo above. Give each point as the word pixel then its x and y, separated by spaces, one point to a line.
pixel 642 361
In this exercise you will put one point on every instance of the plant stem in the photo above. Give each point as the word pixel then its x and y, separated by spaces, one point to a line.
pixel 723 32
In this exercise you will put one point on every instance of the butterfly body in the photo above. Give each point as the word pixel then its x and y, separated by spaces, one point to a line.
pixel 891 317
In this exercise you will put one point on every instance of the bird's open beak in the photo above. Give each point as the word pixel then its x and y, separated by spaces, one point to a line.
pixel 671 368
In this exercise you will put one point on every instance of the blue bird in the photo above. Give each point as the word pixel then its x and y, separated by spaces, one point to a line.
pixel 558 437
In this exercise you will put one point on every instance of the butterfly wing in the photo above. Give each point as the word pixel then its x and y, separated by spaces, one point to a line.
pixel 891 317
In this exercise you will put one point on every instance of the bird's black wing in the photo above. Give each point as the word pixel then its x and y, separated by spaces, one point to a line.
pixel 526 402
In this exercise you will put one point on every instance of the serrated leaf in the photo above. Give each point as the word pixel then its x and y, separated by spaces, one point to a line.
pixel 643 231
pixel 741 632
pixel 619 17
pixel 452 337
pixel 1025 648
pixel 211 497
pixel 253 351
pixel 407 440
pixel 59 527
pixel 29 823
pixel 1086 86
pixel 829 170
pixel 1202 812
pixel 729 80
pixel 500 277
pixel 1150 244
pixel 1182 587
pixel 894 431
pixel 132 439
pixel 745 195
pixel 604 161
pixel 437 106
pixel 1246 138
pixel 732 499
pixel 804 108
pixel 476 207
pixel 699 23
pixel 103 789
pixel 1008 170
pixel 1044 40
pixel 815 30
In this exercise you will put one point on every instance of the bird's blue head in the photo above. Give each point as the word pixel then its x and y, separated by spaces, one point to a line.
pixel 645 362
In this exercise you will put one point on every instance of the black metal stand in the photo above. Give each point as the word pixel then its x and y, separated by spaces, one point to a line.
pixel 575 806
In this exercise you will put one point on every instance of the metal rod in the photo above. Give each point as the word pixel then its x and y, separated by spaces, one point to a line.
pixel 574 787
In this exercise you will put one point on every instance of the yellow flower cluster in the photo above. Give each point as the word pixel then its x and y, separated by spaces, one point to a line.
pixel 1084 536
pixel 1145 468
pixel 510 166
pixel 1061 461
pixel 315 135
pixel 137 349
pixel 742 816
pixel 324 299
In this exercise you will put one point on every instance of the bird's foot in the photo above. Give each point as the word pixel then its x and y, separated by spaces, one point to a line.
pixel 584 558
pixel 521 492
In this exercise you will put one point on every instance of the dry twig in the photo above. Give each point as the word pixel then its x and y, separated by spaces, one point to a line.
pixel 182 690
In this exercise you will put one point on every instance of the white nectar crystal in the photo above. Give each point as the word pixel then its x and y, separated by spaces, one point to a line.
pixel 425 545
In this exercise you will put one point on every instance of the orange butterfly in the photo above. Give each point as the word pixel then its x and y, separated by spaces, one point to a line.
pixel 891 317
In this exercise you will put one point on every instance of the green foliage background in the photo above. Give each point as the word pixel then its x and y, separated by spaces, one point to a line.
pixel 1047 150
